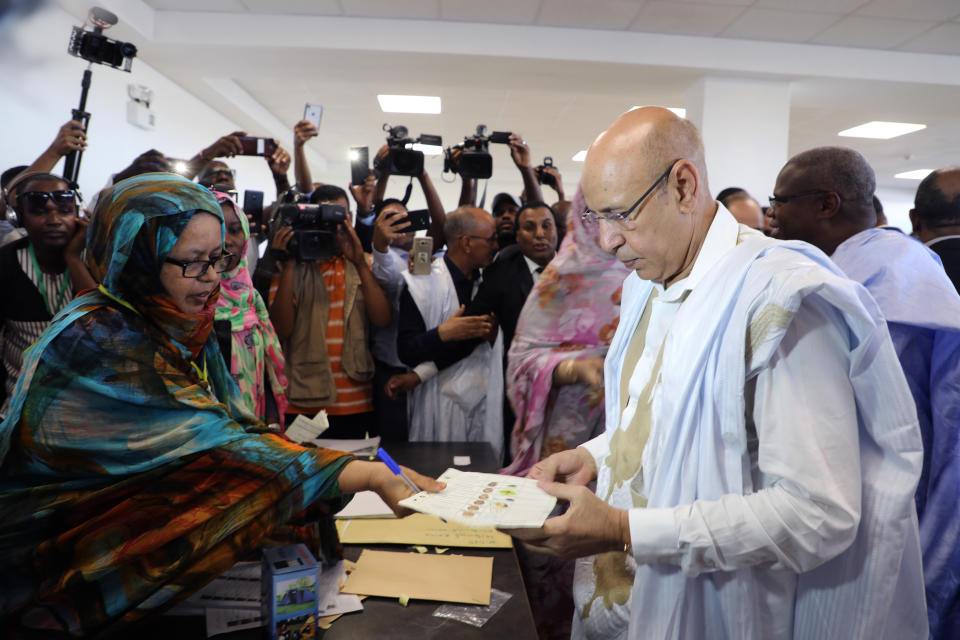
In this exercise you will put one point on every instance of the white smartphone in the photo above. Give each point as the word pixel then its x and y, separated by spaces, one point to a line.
pixel 313 113
pixel 422 253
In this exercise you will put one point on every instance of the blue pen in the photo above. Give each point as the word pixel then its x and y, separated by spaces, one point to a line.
pixel 393 466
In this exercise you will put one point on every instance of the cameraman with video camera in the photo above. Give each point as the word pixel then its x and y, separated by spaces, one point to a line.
pixel 322 304
pixel 505 206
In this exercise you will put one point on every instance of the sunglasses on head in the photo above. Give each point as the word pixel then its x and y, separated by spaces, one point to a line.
pixel 36 201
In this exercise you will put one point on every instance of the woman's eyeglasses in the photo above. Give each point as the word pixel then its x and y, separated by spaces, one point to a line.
pixel 36 201
pixel 197 268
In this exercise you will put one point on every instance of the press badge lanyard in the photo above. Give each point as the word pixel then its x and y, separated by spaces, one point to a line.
pixel 201 373
pixel 51 309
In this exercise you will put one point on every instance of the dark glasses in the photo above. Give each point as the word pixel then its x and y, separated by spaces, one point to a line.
pixel 36 201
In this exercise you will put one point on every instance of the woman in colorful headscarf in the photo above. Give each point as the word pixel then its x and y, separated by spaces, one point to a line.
pixel 131 471
pixel 555 385
pixel 255 358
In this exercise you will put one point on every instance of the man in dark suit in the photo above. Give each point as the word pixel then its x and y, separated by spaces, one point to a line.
pixel 936 218
pixel 510 277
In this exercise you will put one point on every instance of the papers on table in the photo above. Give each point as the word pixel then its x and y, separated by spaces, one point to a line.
pixel 232 601
pixel 365 504
pixel 426 576
pixel 461 461
pixel 419 528
pixel 485 500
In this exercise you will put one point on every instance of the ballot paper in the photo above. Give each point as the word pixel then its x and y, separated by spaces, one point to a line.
pixel 304 429
pixel 365 504
pixel 485 500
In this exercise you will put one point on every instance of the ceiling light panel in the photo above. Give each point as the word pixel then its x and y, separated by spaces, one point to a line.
pixel 916 174
pixel 880 130
pixel 409 104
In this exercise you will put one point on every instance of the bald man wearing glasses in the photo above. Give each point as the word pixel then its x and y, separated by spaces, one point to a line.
pixel 748 484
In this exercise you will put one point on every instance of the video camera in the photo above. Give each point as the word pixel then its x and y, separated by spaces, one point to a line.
pixel 475 161
pixel 314 226
pixel 97 48
pixel 546 178
pixel 400 160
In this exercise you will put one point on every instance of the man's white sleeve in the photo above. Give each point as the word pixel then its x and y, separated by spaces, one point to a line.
pixel 805 508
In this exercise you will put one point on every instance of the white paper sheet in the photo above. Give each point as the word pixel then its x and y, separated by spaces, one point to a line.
pixel 485 500
pixel 224 620
pixel 331 601
pixel 237 588
pixel 461 461
pixel 365 504
pixel 360 446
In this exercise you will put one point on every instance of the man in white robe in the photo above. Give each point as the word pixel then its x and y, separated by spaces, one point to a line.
pixel 458 389
pixel 756 476
pixel 922 310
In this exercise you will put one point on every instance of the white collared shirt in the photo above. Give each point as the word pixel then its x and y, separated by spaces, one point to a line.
pixel 533 266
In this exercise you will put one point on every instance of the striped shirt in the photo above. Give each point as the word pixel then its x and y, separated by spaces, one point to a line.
pixel 16 335
pixel 352 396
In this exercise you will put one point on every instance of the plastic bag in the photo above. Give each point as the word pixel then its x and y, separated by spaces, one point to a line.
pixel 474 614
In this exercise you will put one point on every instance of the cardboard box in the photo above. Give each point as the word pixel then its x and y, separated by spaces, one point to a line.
pixel 289 592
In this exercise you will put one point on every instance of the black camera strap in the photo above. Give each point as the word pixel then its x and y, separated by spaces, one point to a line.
pixel 406 194
pixel 483 198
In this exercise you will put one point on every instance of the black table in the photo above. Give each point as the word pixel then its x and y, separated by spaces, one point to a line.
pixel 385 618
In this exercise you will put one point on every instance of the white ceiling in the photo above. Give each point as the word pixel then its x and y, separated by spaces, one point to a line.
pixel 549 73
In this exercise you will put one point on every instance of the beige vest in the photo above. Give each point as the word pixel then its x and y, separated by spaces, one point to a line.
pixel 308 361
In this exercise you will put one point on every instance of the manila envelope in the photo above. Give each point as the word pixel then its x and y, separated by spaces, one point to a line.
pixel 419 528
pixel 425 576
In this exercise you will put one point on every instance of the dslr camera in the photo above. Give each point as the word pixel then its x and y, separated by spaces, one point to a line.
pixel 546 178
pixel 475 161
pixel 97 48
pixel 400 159
pixel 314 226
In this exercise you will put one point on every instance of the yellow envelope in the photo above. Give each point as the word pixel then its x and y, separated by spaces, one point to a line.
pixel 419 528
pixel 425 576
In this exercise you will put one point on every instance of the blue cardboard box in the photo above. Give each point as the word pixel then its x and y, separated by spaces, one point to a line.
pixel 289 592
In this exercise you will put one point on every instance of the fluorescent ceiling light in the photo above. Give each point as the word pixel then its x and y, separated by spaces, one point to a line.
pixel 409 104
pixel 916 174
pixel 428 149
pixel 679 111
pixel 881 130
pixel 579 156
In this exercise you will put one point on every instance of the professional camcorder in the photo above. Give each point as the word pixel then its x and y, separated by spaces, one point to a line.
pixel 475 161
pixel 401 160
pixel 314 226
pixel 543 177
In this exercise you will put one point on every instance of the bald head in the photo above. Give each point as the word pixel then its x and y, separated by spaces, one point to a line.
pixel 637 147
pixel 465 221
pixel 937 202
pixel 648 167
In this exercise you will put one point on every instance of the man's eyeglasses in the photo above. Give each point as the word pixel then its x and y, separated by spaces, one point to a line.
pixel 36 201
pixel 776 201
pixel 623 219
pixel 197 268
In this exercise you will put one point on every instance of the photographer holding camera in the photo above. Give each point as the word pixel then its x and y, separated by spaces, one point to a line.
pixel 322 310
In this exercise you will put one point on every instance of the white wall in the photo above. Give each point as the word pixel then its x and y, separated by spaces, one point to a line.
pixel 40 84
